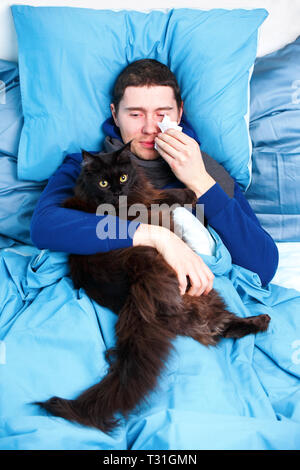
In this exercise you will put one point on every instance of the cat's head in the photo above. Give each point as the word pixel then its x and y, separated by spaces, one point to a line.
pixel 106 176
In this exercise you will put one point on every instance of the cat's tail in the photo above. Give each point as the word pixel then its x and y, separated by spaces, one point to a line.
pixel 135 364
pixel 87 409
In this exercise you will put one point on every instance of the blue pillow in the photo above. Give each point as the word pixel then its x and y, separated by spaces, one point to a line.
pixel 11 117
pixel 69 59
pixel 274 193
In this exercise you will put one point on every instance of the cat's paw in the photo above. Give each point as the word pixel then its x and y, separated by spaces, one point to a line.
pixel 70 203
pixel 262 322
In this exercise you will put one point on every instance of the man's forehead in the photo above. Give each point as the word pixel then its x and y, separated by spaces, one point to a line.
pixel 142 108
pixel 155 96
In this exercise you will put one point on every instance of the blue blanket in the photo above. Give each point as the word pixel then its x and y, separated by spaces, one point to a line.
pixel 242 394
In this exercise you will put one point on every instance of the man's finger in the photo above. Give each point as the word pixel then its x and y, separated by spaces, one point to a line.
pixel 169 159
pixel 179 135
pixel 208 275
pixel 182 283
pixel 198 283
pixel 209 287
pixel 170 139
pixel 169 150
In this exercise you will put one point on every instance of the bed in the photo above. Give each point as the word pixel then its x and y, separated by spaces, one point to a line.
pixel 240 395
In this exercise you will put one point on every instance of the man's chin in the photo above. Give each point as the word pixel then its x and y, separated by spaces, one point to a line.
pixel 146 154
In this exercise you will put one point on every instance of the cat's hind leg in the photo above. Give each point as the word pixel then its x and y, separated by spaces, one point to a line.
pixel 207 319
pixel 239 327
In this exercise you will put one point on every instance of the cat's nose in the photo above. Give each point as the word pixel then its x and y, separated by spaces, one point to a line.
pixel 117 195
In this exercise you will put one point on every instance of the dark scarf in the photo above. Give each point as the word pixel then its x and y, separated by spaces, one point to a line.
pixel 160 174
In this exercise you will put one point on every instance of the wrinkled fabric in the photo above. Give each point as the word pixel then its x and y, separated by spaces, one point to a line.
pixel 11 116
pixel 241 394
pixel 274 193
pixel 18 200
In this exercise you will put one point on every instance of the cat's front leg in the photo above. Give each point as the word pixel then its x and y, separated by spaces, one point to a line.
pixel 179 196
pixel 70 203
pixel 161 210
pixel 75 203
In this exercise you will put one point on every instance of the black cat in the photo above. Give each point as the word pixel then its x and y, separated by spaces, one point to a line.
pixel 139 285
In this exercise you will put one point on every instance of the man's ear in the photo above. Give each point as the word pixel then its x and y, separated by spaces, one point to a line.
pixel 180 112
pixel 114 114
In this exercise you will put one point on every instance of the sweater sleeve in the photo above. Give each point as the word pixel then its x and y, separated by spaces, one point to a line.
pixel 233 219
pixel 73 231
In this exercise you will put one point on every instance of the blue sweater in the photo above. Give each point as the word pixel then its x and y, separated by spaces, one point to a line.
pixel 73 231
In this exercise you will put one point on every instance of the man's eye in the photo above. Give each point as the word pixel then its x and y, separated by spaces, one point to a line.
pixel 134 114
pixel 103 183
pixel 123 178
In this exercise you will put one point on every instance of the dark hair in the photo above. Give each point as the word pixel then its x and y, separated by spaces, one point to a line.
pixel 145 72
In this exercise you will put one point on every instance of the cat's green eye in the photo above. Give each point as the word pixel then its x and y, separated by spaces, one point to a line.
pixel 103 184
pixel 123 178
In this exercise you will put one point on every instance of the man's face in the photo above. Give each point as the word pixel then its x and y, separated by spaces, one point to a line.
pixel 140 109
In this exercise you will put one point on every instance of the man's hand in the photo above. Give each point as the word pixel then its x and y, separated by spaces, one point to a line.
pixel 183 155
pixel 179 256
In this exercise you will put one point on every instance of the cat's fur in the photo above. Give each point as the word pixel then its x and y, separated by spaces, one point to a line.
pixel 143 289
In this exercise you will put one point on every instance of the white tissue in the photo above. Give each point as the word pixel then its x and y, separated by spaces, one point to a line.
pixel 166 124
pixel 193 232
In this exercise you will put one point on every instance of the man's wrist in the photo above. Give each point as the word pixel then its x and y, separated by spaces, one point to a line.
pixel 202 185
pixel 150 235
pixel 144 235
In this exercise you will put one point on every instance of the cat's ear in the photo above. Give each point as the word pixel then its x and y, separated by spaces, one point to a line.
pixel 124 152
pixel 126 146
pixel 87 157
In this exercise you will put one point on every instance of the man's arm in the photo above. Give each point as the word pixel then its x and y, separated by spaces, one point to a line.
pixel 70 230
pixel 233 219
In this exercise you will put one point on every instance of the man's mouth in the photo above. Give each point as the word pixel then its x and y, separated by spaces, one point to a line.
pixel 148 145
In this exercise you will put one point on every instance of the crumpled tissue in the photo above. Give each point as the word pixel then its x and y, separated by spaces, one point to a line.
pixel 166 124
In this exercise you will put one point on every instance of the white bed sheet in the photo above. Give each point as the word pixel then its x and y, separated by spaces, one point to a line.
pixel 288 272
pixel 280 28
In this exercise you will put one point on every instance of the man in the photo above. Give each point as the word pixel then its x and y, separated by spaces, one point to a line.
pixel 144 92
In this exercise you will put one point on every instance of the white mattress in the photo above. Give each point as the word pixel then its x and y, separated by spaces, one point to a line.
pixel 288 272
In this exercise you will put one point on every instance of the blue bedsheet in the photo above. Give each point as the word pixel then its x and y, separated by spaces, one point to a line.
pixel 242 394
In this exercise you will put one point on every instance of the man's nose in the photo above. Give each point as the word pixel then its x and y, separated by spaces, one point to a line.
pixel 150 125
